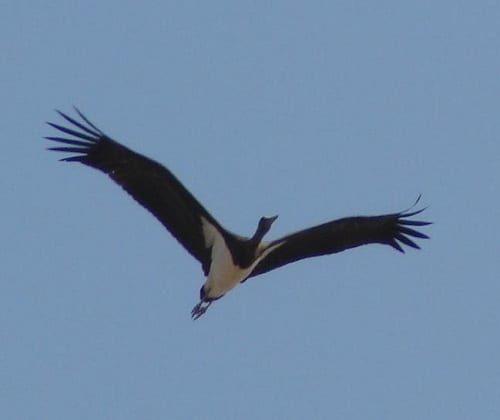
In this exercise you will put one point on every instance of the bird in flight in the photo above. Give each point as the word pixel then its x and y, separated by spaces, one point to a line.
pixel 227 259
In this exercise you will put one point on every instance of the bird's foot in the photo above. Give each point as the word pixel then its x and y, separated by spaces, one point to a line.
pixel 199 309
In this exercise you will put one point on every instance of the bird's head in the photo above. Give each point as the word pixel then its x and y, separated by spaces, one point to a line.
pixel 263 227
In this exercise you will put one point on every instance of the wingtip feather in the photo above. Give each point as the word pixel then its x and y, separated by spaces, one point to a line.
pixel 407 241
pixel 396 246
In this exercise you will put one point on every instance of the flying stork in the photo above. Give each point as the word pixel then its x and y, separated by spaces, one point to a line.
pixel 227 259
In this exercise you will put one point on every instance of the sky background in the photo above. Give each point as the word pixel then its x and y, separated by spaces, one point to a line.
pixel 311 110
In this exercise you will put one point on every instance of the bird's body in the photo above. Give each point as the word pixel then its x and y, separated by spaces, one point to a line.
pixel 224 273
pixel 227 259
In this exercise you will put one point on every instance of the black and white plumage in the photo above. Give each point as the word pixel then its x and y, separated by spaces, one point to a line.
pixel 227 259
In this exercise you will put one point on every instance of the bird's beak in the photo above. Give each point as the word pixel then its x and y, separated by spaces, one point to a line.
pixel 272 219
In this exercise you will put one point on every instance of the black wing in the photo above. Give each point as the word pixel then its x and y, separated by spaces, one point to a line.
pixel 148 182
pixel 339 235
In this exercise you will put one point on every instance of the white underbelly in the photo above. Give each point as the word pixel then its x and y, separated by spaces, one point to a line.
pixel 224 274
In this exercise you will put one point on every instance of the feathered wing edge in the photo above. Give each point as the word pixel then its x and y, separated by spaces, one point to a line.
pixel 404 233
pixel 89 137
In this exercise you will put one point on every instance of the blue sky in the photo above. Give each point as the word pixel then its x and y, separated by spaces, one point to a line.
pixel 310 110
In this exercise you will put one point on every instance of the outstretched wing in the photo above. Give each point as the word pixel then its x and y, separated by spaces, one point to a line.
pixel 394 230
pixel 148 182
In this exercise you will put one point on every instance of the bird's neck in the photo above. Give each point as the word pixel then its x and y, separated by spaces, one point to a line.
pixel 258 236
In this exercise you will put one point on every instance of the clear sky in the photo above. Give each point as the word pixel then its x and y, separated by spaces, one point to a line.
pixel 311 110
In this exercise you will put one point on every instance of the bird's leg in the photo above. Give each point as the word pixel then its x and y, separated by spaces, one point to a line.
pixel 199 309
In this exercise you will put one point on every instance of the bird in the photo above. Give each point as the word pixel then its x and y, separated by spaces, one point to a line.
pixel 227 259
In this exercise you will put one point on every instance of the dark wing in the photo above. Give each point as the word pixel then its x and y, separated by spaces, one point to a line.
pixel 336 236
pixel 148 182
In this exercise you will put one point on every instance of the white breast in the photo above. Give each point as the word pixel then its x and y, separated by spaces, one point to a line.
pixel 224 274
